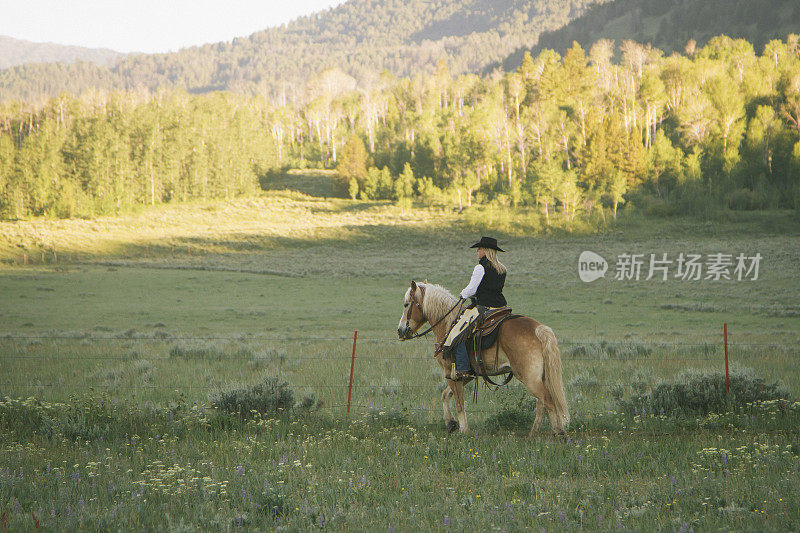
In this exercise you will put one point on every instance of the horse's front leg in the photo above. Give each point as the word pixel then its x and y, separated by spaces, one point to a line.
pixel 458 394
pixel 447 394
pixel 449 421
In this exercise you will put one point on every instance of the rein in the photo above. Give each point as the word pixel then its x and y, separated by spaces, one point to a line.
pixel 417 335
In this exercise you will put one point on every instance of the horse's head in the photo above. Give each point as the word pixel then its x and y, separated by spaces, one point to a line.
pixel 413 317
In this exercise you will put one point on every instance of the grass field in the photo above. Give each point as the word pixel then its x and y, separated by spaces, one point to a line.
pixel 114 346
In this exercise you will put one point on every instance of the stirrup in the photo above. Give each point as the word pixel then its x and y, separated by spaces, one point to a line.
pixel 455 375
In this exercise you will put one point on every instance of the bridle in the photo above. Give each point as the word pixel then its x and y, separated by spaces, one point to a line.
pixel 417 335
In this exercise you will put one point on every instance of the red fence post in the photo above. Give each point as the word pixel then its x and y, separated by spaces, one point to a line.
pixel 725 340
pixel 352 365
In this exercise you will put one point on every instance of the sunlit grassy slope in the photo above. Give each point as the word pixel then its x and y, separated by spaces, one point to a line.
pixel 294 262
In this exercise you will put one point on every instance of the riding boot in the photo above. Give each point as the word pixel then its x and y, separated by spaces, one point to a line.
pixel 460 368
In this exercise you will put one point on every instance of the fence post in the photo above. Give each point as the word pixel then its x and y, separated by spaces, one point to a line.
pixel 725 341
pixel 352 365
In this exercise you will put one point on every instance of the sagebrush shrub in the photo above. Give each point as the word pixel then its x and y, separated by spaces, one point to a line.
pixel 269 396
pixel 701 392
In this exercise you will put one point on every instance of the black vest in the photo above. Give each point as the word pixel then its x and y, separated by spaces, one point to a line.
pixel 490 290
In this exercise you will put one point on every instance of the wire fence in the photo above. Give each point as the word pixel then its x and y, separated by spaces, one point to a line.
pixel 383 390
pixel 293 339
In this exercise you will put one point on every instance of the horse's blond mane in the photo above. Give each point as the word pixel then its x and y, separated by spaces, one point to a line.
pixel 437 302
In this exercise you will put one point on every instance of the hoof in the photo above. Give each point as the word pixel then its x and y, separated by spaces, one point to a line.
pixel 452 426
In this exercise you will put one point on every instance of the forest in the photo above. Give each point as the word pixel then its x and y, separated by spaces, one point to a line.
pixel 572 136
pixel 670 24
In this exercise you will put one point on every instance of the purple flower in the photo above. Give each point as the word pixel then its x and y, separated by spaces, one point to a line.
pixel 110 486
pixel 446 520
pixel 562 516
pixel 240 470
pixel 238 520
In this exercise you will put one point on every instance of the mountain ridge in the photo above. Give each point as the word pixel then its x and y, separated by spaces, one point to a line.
pixel 15 52
pixel 408 38
pixel 361 37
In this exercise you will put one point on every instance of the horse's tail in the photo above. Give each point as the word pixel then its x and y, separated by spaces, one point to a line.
pixel 552 372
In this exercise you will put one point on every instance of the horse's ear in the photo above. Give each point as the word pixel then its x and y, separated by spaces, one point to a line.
pixel 413 286
pixel 426 281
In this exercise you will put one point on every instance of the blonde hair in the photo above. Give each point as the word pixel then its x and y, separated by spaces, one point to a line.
pixel 491 255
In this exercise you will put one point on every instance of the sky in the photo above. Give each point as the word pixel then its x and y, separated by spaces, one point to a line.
pixel 147 25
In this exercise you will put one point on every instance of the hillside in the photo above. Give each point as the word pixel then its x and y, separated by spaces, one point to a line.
pixel 362 37
pixel 15 52
pixel 670 24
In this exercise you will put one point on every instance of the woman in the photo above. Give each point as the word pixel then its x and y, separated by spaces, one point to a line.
pixel 486 287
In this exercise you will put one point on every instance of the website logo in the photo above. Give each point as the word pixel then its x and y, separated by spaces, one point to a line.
pixel 591 266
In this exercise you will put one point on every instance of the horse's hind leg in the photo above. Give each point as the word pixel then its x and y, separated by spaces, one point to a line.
pixel 543 402
pixel 449 421
pixel 537 420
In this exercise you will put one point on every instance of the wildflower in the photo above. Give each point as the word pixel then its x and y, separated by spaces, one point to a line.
pixel 446 520
pixel 562 516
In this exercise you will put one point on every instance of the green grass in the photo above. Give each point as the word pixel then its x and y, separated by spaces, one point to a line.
pixel 125 340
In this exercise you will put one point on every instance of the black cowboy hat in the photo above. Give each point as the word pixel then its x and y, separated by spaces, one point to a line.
pixel 487 242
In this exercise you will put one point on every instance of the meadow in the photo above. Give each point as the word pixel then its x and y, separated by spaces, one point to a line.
pixel 118 336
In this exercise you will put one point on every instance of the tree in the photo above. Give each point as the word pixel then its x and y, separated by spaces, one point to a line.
pixel 404 185
pixel 617 187
pixel 352 165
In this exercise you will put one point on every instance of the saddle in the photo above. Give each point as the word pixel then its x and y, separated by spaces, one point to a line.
pixel 484 329
pixel 483 336
pixel 486 326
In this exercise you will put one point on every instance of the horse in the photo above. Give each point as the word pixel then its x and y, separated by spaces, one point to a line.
pixel 528 348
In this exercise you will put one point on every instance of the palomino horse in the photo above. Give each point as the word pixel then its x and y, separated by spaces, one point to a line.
pixel 527 348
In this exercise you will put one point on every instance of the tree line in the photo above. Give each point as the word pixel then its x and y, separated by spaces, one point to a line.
pixel 568 135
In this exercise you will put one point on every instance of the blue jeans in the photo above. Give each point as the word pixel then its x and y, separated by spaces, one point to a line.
pixel 462 359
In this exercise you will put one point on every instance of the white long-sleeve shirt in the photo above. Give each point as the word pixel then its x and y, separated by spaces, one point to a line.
pixel 475 280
